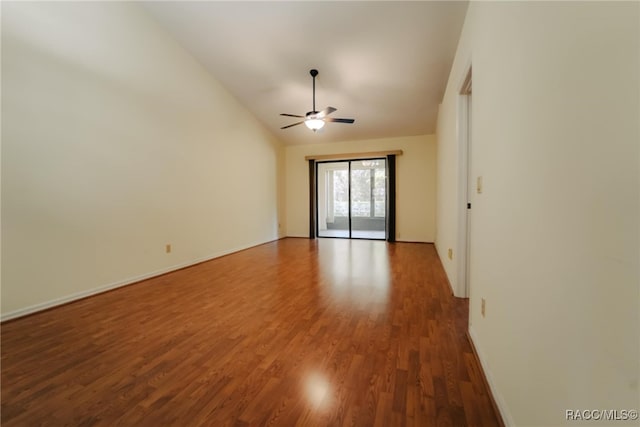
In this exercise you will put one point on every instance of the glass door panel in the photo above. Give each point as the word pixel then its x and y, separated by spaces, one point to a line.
pixel 333 199
pixel 368 199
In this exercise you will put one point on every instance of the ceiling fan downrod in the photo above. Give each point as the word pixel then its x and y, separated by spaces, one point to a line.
pixel 314 73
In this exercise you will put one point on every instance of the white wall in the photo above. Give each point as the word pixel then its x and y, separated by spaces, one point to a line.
pixel 555 235
pixel 415 183
pixel 449 174
pixel 115 142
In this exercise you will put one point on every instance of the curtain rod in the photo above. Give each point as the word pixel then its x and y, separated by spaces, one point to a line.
pixel 343 156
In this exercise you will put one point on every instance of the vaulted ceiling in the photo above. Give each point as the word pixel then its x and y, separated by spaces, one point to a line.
pixel 385 63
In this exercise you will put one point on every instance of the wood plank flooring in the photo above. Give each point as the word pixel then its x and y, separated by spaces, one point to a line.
pixel 326 332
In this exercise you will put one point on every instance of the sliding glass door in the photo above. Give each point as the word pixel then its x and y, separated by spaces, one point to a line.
pixel 352 199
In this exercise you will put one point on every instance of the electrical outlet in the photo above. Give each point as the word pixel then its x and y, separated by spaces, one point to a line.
pixel 482 307
pixel 167 248
pixel 450 253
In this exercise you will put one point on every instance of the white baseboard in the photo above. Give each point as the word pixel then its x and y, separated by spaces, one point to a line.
pixel 100 289
pixel 497 397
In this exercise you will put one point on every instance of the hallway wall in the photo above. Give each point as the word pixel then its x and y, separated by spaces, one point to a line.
pixel 555 237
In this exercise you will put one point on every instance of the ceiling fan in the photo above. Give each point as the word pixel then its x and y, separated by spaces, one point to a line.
pixel 315 120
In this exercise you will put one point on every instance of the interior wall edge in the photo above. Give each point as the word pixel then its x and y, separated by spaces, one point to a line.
pixel 32 309
pixel 499 401
pixel 446 275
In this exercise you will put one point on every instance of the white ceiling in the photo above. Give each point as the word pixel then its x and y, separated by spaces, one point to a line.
pixel 385 64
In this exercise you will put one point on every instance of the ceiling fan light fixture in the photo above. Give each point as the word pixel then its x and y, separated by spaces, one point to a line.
pixel 314 124
pixel 314 119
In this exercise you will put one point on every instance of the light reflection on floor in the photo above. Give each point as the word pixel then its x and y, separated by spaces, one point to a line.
pixel 317 390
pixel 355 274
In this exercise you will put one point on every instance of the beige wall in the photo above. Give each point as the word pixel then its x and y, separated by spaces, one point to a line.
pixel 116 142
pixel 555 239
pixel 415 183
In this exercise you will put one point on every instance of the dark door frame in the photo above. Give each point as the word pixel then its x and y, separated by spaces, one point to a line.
pixel 390 226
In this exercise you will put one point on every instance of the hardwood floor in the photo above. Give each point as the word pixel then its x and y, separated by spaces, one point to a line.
pixel 295 332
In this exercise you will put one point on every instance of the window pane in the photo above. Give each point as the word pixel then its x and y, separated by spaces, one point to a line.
pixel 341 193
pixel 360 190
pixel 379 191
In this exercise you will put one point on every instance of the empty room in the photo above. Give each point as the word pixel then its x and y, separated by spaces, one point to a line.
pixel 320 213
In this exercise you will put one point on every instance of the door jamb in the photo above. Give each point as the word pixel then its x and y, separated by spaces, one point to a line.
pixel 464 188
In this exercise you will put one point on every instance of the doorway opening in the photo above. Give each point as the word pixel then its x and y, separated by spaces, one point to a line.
pixel 466 185
pixel 352 199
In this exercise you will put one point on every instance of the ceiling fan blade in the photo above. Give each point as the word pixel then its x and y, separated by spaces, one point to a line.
pixel 325 112
pixel 328 119
pixel 295 124
pixel 291 115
